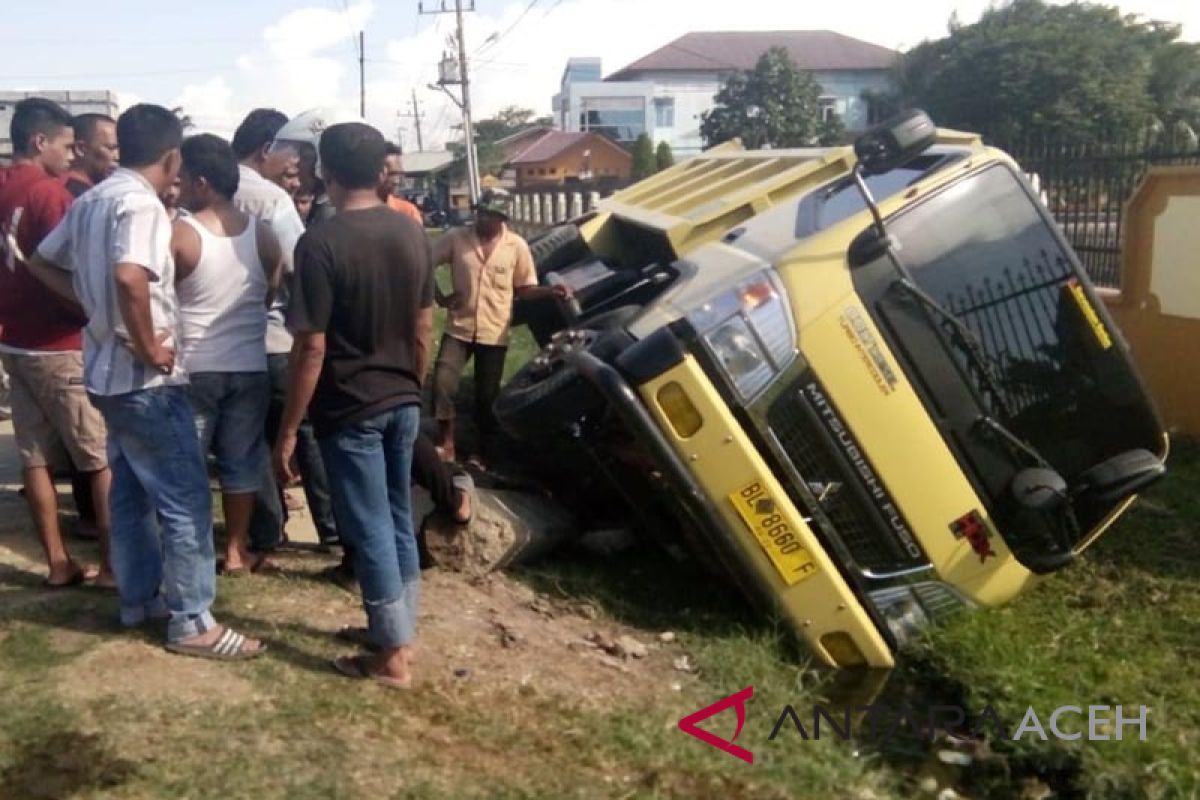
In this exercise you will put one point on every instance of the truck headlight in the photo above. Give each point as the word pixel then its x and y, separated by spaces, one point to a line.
pixel 909 609
pixel 749 332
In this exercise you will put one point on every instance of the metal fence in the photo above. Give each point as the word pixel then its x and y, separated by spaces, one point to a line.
pixel 1086 187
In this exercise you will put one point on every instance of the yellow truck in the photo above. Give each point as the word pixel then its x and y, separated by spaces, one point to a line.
pixel 871 384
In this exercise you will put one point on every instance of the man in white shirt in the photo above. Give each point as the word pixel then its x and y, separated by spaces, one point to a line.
pixel 261 171
pixel 226 263
pixel 112 252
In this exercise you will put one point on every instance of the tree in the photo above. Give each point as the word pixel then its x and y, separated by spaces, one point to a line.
pixel 508 120
pixel 185 119
pixel 1076 72
pixel 663 157
pixel 643 158
pixel 773 105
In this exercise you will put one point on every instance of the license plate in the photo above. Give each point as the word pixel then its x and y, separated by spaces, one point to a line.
pixel 761 514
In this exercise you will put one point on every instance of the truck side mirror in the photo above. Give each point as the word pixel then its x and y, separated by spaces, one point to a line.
pixel 894 142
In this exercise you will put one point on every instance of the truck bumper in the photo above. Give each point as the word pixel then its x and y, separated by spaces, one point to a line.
pixel 709 469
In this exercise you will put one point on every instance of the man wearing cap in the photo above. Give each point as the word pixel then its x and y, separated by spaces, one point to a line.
pixel 489 265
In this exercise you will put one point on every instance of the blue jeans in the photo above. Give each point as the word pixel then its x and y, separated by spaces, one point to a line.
pixel 230 409
pixel 370 477
pixel 162 549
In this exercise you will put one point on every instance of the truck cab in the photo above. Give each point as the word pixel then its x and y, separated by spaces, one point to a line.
pixel 871 384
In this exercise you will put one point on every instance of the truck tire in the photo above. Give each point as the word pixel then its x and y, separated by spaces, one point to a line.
pixel 558 247
pixel 547 395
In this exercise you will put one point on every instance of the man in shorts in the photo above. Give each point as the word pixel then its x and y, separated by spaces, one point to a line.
pixel 40 340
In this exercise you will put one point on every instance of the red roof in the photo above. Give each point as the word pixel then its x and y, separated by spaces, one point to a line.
pixel 740 50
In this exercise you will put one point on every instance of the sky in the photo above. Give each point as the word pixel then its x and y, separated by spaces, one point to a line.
pixel 220 58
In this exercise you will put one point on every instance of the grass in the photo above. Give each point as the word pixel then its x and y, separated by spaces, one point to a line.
pixel 1119 627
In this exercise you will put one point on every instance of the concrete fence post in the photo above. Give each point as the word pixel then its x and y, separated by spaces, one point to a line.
pixel 560 207
pixel 576 209
pixel 593 200
pixel 536 210
pixel 548 208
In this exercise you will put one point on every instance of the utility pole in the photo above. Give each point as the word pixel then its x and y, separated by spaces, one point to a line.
pixel 464 81
pixel 417 121
pixel 362 77
pixel 417 116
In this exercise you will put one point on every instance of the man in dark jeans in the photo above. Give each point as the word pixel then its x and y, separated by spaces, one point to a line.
pixel 261 167
pixel 362 315
pixel 489 266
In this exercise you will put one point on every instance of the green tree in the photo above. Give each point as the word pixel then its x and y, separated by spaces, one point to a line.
pixel 773 105
pixel 663 157
pixel 643 158
pixel 1078 72
pixel 1175 88
pixel 506 122
pixel 185 119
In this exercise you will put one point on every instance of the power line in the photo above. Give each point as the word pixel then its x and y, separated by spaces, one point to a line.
pixel 493 40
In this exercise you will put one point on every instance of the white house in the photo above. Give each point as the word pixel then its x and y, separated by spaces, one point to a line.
pixel 666 92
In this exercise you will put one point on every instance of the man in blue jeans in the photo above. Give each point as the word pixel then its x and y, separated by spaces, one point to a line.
pixel 112 252
pixel 226 264
pixel 362 315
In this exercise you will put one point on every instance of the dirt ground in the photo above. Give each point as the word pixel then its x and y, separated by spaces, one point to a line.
pixel 483 631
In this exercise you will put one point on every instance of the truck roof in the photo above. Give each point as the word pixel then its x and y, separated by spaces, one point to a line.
pixel 700 199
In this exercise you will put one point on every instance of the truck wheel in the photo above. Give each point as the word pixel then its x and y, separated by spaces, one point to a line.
pixel 558 247
pixel 547 395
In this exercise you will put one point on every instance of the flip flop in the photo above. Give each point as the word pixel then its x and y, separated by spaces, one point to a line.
pixel 264 566
pixel 109 584
pixel 232 572
pixel 229 646
pixel 358 636
pixel 356 667
pixel 79 577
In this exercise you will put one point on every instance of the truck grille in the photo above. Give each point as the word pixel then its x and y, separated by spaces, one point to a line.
pixel 856 520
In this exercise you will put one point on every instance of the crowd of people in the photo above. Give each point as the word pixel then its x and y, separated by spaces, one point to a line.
pixel 265 304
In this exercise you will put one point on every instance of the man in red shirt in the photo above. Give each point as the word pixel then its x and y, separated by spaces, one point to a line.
pixel 40 342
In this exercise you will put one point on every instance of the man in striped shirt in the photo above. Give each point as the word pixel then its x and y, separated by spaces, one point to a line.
pixel 113 252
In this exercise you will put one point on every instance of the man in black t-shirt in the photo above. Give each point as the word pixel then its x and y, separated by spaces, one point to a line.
pixel 362 314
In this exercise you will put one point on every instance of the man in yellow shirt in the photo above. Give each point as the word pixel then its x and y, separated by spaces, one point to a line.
pixel 489 266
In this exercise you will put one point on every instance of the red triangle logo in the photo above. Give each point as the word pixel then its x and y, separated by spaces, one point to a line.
pixel 737 700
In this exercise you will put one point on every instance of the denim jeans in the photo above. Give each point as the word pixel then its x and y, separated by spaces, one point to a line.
pixel 270 514
pixel 162 549
pixel 370 476
pixel 231 408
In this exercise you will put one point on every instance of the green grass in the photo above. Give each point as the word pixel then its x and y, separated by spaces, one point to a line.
pixel 1121 626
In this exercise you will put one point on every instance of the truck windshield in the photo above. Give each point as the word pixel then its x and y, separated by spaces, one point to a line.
pixel 987 253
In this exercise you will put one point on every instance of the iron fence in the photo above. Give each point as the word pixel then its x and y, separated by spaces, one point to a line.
pixel 1086 187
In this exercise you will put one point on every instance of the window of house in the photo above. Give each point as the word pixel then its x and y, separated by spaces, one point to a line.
pixel 619 118
pixel 827 108
pixel 664 112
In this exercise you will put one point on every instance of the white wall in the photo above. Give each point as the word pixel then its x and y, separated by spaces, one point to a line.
pixel 693 94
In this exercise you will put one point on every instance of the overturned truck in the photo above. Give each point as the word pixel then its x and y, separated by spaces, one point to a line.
pixel 872 385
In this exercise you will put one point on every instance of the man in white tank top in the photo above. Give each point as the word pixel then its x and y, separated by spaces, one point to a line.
pixel 226 266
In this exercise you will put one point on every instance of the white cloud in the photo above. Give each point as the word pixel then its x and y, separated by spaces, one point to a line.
pixel 297 67
pixel 306 57
pixel 210 104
